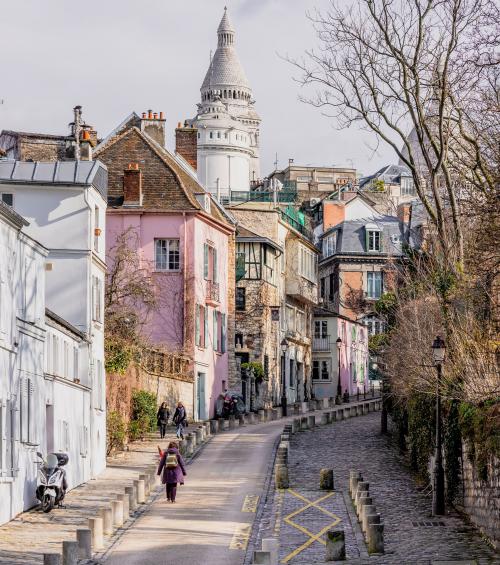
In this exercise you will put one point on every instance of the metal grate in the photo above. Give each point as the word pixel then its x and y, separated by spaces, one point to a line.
pixel 427 524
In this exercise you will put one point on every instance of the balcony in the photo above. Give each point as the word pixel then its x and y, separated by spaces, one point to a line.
pixel 321 343
pixel 287 194
pixel 212 295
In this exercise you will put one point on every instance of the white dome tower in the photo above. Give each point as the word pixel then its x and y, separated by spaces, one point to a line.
pixel 228 125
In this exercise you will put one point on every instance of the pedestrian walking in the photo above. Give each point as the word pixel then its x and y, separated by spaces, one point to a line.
pixel 172 470
pixel 162 418
pixel 180 420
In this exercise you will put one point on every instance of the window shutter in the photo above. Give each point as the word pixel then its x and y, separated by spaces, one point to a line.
pixel 3 435
pixel 32 411
pixel 205 326
pixel 223 334
pixel 205 261
pixel 215 275
pixel 23 398
pixel 197 324
pixel 215 339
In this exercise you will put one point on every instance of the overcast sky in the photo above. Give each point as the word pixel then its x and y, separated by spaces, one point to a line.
pixel 116 56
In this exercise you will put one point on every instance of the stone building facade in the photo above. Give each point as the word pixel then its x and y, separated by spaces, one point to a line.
pixel 276 292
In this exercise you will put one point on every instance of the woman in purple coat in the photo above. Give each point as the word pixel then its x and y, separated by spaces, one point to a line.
pixel 173 469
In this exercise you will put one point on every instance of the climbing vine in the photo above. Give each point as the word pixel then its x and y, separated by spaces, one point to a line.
pixel 420 432
pixel 452 451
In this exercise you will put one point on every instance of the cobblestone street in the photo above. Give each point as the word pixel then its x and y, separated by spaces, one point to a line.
pixel 357 444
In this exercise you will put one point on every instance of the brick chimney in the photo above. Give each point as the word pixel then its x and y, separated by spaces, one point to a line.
pixel 404 212
pixel 154 125
pixel 132 185
pixel 186 144
pixel 333 213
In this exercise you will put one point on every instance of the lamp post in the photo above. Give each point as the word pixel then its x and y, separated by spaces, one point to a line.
pixel 284 347
pixel 438 354
pixel 339 384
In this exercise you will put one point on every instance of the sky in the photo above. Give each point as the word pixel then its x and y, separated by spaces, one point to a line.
pixel 116 56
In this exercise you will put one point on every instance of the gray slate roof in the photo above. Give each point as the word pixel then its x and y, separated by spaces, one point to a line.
pixel 56 172
pixel 390 174
pixel 351 236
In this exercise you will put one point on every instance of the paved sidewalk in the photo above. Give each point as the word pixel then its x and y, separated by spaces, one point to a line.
pixel 25 539
pixel 298 515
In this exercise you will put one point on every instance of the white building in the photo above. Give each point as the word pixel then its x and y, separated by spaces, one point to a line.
pixel 22 384
pixel 228 125
pixel 65 205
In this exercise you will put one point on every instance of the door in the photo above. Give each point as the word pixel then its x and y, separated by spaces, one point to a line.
pixel 200 398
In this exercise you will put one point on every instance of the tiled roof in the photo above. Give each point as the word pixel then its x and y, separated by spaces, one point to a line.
pixel 390 174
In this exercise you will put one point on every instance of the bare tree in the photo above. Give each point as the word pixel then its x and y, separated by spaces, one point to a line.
pixel 394 66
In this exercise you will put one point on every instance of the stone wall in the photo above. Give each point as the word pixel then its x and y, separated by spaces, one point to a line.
pixel 482 498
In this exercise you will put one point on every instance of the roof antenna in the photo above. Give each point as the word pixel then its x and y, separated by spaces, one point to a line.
pixel 276 162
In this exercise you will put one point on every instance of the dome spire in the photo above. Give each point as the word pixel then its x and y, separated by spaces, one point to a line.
pixel 225 31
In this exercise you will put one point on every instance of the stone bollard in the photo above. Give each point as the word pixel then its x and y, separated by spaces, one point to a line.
pixel 335 545
pixel 214 427
pixel 84 539
pixel 182 446
pixel 199 436
pixel 296 409
pixel 324 419
pixel 252 418
pixel 362 502
pixel 311 421
pixel 339 414
pixel 69 553
pixel 97 534
pixel 220 424
pixel 375 538
pixel 225 425
pixel 201 430
pixel 262 415
pixel 262 558
pixel 126 505
pixel 117 506
pixel 232 422
pixel 326 479
pixel 371 519
pixel 141 491
pixel 347 412
pixel 107 520
pixel 144 479
pixel 132 499
pixel 241 419
pixel 354 478
pixel 51 559
pixel 363 486
pixel 281 477
pixel 189 445
pixel 275 414
pixel 206 425
pixel 273 546
pixel 303 423
pixel 369 511
pixel 295 425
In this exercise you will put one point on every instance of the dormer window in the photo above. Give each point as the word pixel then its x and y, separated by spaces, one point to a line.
pixel 373 238
pixel 329 245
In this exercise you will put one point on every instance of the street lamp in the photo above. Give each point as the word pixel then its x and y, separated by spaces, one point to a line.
pixel 438 354
pixel 284 347
pixel 339 385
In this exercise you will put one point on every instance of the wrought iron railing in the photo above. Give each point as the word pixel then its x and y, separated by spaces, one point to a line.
pixel 212 291
pixel 321 343
pixel 296 225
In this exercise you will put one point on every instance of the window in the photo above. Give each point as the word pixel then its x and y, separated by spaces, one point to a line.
pixel 304 179
pixel 240 299
pixel 210 268
pixel 374 240
pixel 407 186
pixel 201 325
pixel 375 325
pixel 323 287
pixel 320 328
pixel 167 256
pixel 8 198
pixel 307 264
pixel 96 299
pixel 331 285
pixel 211 135
pixel 292 373
pixel 374 284
pixel 301 322
pixel 76 373
pixel 329 245
pixel 238 340
pixel 321 370
pixel 325 179
pixel 290 319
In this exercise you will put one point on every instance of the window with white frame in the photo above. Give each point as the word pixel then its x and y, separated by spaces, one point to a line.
pixel 374 324
pixel 167 255
pixel 301 322
pixel 290 318
pixel 320 328
pixel 97 296
pixel 329 245
pixel 373 240
pixel 374 284
pixel 321 370
pixel 307 264
pixel 407 186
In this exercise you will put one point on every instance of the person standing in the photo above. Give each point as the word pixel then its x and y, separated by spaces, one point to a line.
pixel 162 418
pixel 172 470
pixel 180 420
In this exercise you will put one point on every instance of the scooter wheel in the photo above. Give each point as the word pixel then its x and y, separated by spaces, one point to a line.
pixel 47 503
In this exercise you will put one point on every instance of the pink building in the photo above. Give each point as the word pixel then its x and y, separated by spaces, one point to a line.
pixel 187 241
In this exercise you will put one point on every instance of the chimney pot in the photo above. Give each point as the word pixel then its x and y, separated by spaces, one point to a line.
pixel 179 125
pixel 150 114
pixel 144 115
pixel 162 116
pixel 155 116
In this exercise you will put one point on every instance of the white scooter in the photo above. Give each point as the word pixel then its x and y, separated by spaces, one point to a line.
pixel 51 480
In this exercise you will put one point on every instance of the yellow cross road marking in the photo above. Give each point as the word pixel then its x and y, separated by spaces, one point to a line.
pixel 241 536
pixel 279 507
pixel 250 503
pixel 312 537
